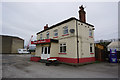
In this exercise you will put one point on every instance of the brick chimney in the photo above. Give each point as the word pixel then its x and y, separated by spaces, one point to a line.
pixel 82 13
pixel 45 27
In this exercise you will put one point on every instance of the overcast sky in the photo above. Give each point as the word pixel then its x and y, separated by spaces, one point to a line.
pixel 24 19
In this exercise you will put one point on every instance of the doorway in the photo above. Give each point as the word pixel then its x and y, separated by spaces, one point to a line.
pixel 45 53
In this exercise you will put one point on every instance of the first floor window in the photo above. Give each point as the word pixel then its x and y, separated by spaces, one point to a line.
pixel 65 30
pixel 47 35
pixel 56 32
pixel 40 36
pixel 91 47
pixel 90 32
pixel 62 48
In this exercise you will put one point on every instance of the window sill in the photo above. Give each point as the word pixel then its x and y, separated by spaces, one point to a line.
pixel 91 53
pixel 62 53
pixel 65 34
pixel 90 36
pixel 55 37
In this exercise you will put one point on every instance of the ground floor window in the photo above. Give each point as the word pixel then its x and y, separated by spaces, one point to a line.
pixel 46 50
pixel 91 47
pixel 63 48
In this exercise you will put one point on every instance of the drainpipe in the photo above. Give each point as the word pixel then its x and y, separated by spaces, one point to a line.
pixel 77 42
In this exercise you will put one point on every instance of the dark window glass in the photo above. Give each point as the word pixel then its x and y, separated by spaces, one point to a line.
pixel 48 50
pixel 56 32
pixel 45 50
pixel 47 35
pixel 61 49
pixel 64 44
pixel 60 44
pixel 65 30
pixel 42 50
pixel 90 47
pixel 90 32
pixel 64 49
pixel 40 36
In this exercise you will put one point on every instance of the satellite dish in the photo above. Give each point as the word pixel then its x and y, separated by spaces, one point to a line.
pixel 72 30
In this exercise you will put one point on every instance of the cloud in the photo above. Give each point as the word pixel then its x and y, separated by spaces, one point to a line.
pixel 24 19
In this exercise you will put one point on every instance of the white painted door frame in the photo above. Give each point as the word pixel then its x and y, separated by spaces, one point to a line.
pixel 45 53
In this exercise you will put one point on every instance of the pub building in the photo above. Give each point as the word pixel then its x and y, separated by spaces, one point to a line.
pixel 70 41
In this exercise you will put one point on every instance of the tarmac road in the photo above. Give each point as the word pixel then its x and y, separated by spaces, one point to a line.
pixel 20 66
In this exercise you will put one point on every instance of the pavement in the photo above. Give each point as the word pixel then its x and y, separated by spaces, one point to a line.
pixel 20 66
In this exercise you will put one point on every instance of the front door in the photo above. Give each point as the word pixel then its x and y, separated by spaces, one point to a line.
pixel 45 53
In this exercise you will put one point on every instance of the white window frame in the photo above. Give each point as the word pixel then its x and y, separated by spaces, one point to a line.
pixel 91 47
pixel 40 36
pixel 90 33
pixel 65 30
pixel 47 35
pixel 56 32
pixel 62 45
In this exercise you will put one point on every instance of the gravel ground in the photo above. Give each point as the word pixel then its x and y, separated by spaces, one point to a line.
pixel 20 66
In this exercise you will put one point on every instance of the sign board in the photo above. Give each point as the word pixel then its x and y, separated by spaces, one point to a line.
pixel 41 41
pixel 99 46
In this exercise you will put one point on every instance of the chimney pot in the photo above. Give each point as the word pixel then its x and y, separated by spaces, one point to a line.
pixel 82 13
pixel 45 27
